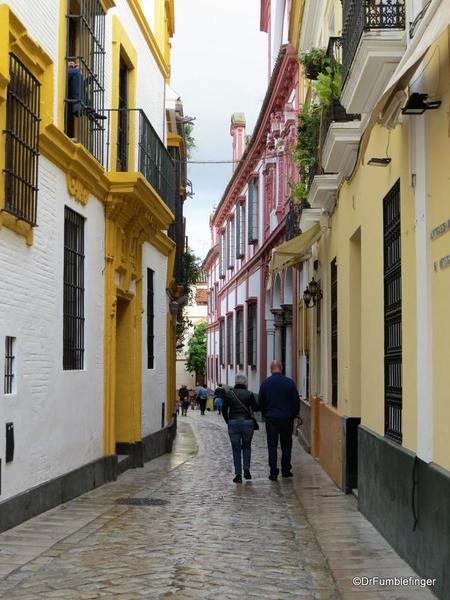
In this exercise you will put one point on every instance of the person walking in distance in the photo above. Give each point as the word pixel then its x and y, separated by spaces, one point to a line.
pixel 219 395
pixel 237 410
pixel 202 397
pixel 183 394
pixel 279 403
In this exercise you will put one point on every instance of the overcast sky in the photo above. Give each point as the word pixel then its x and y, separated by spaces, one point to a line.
pixel 219 66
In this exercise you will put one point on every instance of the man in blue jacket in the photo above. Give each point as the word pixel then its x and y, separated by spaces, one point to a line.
pixel 279 403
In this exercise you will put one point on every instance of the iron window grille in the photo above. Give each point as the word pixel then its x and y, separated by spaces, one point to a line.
pixel 222 255
pixel 122 119
pixel 334 333
pixel 251 335
pixel 230 340
pixel 392 315
pixel 366 15
pixel 150 319
pixel 230 244
pixel 222 342
pixel 240 230
pixel 73 300
pixel 22 142
pixel 85 67
pixel 8 386
pixel 252 216
pixel 239 337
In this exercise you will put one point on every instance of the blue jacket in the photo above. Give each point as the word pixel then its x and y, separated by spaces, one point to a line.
pixel 278 397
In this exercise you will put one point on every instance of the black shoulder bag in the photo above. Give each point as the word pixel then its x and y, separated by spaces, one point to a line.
pixel 255 422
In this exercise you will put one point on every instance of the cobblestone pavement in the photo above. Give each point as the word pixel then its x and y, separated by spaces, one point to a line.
pixel 202 536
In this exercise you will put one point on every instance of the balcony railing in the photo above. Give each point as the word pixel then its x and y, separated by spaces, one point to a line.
pixel 367 15
pixel 292 227
pixel 152 158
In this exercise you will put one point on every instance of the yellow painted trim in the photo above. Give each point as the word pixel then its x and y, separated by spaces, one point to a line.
pixel 295 23
pixel 149 37
pixel 134 214
pixel 84 173
pixel 107 4
pixel 176 141
pixel 62 37
pixel 122 46
pixel 15 38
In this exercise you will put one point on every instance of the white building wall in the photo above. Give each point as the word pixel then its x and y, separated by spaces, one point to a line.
pixel 57 415
pixel 154 381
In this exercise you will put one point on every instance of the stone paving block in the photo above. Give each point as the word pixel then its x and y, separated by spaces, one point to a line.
pixel 211 540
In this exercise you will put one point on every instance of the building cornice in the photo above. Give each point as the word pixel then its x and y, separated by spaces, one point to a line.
pixel 277 94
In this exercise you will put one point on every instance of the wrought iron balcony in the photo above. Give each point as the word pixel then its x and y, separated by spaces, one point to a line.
pixel 292 227
pixel 151 157
pixel 367 15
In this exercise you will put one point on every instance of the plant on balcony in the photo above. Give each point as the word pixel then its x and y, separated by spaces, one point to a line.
pixel 328 86
pixel 313 62
pixel 299 192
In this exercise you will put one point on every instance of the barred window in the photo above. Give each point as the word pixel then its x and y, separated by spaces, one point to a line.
pixel 230 340
pixel 22 135
pixel 240 230
pixel 252 210
pixel 230 244
pixel 8 386
pixel 122 118
pixel 222 254
pixel 85 65
pixel 239 337
pixel 222 342
pixel 150 319
pixel 251 334
pixel 73 324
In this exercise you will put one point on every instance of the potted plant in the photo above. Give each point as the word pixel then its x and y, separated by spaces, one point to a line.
pixel 313 62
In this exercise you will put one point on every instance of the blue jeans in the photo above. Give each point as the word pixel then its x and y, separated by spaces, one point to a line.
pixel 241 434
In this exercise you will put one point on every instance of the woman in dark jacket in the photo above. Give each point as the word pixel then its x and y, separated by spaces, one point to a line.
pixel 237 410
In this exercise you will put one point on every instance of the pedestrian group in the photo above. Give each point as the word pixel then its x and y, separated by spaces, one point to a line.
pixel 279 403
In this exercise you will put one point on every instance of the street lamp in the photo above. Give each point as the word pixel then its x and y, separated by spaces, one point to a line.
pixel 312 294
pixel 416 104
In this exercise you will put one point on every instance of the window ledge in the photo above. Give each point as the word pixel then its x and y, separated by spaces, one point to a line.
pixel 17 225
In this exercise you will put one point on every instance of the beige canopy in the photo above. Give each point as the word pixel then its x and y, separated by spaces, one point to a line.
pixel 294 251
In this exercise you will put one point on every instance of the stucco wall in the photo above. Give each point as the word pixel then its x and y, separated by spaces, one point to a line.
pixel 57 415
pixel 154 381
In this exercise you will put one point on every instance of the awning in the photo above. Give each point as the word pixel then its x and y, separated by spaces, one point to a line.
pixel 294 251
pixel 435 21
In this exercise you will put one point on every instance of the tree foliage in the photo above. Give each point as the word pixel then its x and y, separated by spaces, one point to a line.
pixel 196 354
pixel 192 270
pixel 189 139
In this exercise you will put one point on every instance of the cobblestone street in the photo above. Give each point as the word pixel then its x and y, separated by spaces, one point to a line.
pixel 201 536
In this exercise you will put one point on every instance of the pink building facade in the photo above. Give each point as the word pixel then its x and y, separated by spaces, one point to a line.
pixel 250 315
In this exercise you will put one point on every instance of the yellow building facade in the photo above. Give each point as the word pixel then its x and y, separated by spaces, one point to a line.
pixel 377 339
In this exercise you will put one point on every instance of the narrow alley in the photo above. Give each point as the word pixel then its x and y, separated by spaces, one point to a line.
pixel 198 535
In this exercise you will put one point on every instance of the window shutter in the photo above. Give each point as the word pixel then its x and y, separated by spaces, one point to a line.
pixel 250 212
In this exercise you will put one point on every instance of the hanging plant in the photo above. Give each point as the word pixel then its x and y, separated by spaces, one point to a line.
pixel 328 86
pixel 313 62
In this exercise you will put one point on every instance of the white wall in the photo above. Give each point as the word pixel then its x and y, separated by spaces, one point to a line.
pixel 57 415
pixel 154 381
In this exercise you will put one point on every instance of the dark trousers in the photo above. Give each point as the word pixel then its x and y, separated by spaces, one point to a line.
pixel 279 429
pixel 202 402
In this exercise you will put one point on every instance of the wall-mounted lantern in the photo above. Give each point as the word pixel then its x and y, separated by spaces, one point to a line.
pixel 416 104
pixel 312 294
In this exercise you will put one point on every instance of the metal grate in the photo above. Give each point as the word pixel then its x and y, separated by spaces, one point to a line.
pixel 366 15
pixel 252 211
pixel 155 162
pixel 392 315
pixel 150 319
pixel 222 342
pixel 239 337
pixel 292 227
pixel 85 66
pixel 22 147
pixel 122 119
pixel 222 254
pixel 251 334
pixel 240 230
pixel 176 229
pixel 9 365
pixel 73 320
pixel 230 340
pixel 334 334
